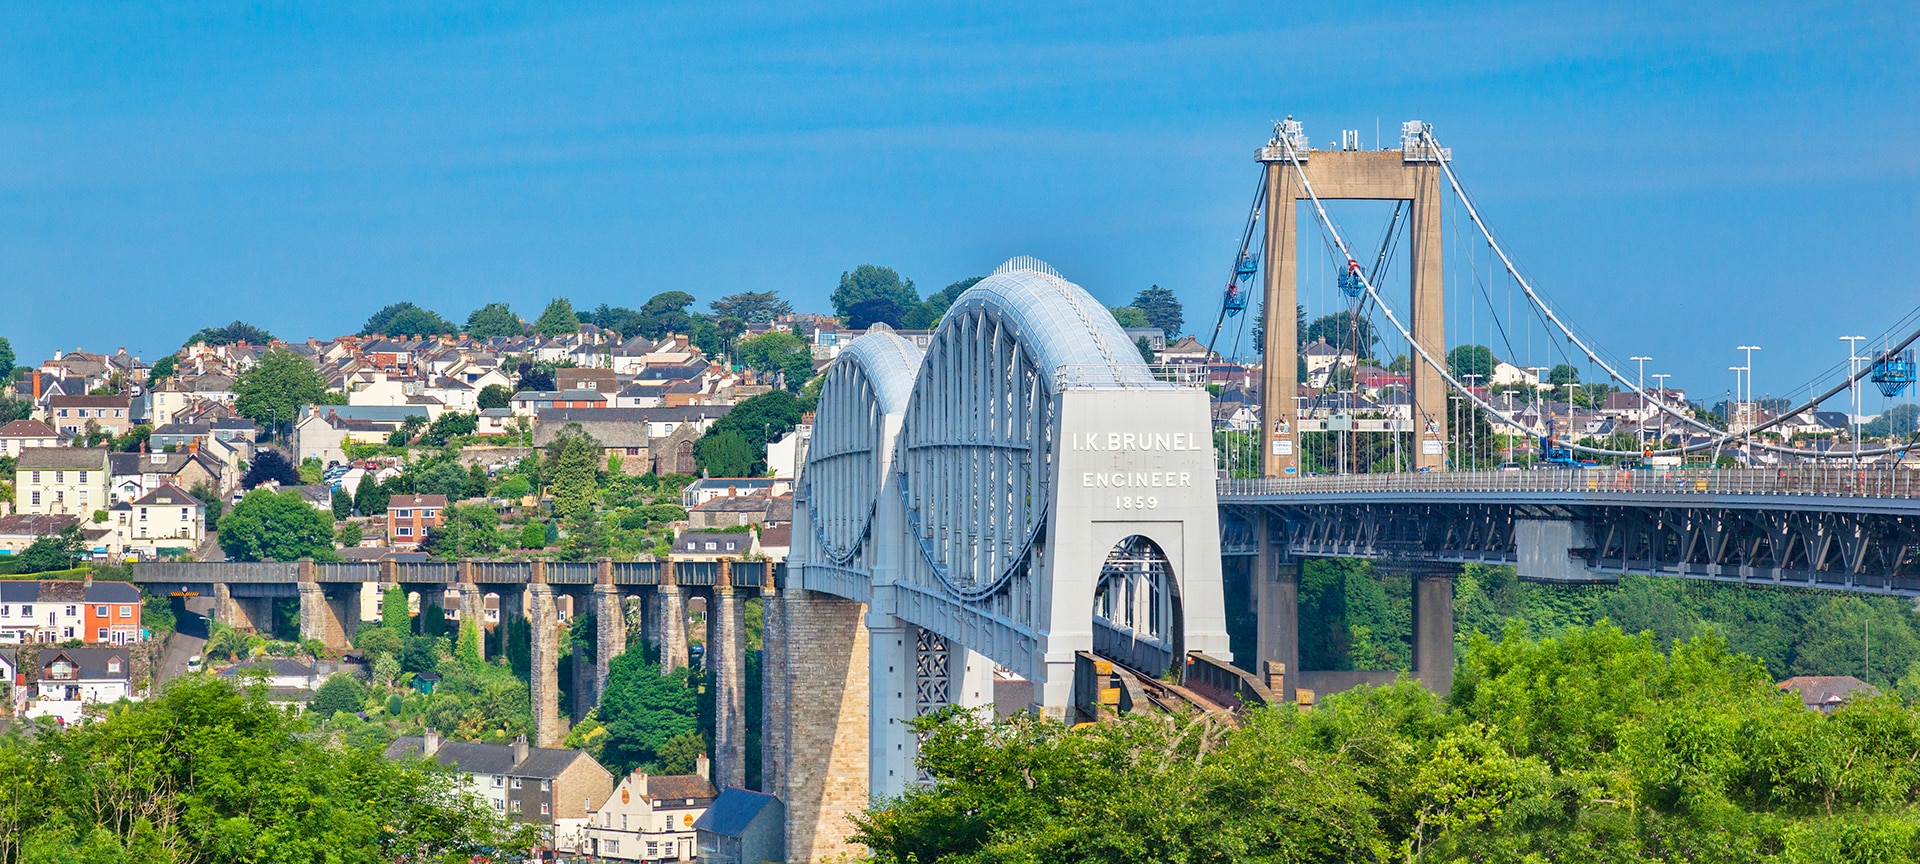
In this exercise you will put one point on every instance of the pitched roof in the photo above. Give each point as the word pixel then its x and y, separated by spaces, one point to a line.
pixel 475 758
pixel 167 495
pixel 679 787
pixel 89 401
pixel 92 662
pixel 1817 691
pixel 27 429
pixel 416 501
pixel 731 813
pixel 25 525
pixel 112 592
pixel 81 458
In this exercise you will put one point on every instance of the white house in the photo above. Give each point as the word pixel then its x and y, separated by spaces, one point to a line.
pixel 164 519
pixel 651 818
pixel 71 678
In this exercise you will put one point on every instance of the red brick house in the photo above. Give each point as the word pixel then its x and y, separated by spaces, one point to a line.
pixel 409 517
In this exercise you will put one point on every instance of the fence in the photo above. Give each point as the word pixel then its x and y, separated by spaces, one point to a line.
pixel 1833 481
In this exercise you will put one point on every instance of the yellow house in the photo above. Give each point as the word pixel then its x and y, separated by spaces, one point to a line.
pixel 61 480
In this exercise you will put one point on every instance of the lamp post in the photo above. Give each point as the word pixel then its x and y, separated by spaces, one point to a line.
pixel 1749 370
pixel 1466 407
pixel 1735 401
pixel 1853 394
pixel 1640 387
pixel 1536 370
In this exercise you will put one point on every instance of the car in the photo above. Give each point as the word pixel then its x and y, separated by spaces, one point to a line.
pixel 1509 466
pixel 195 663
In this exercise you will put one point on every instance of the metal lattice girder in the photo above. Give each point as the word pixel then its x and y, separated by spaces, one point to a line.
pixel 847 457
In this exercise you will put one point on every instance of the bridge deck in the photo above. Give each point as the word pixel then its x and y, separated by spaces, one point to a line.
pixel 1862 491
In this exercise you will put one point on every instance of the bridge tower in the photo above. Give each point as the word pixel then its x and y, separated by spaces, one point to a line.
pixel 1021 493
pixel 1412 174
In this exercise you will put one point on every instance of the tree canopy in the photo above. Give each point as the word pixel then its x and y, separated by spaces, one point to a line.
pixel 1344 332
pixel 494 396
pixel 203 772
pixel 644 710
pixel 575 475
pixel 6 358
pixel 270 466
pixel 1163 310
pixel 1590 746
pixel 406 319
pixel 1466 360
pixel 752 422
pixel 751 306
pixel 272 392
pixel 232 334
pixel 280 526
pixel 1128 316
pixel 558 319
pixel 869 282
pixel 493 319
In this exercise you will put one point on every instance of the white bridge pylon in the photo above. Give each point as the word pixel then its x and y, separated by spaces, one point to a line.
pixel 978 491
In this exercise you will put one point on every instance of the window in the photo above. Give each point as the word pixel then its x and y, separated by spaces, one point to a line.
pixel 183 515
pixel 403 514
pixel 499 781
pixel 544 808
pixel 26 611
pixel 126 611
pixel 59 476
pixel 516 782
pixel 404 531
pixel 83 476
pixel 100 636
pixel 36 497
pixel 499 804
pixel 113 664
pixel 653 850
pixel 100 611
pixel 36 476
pixel 516 805
pixel 72 611
pixel 711 546
pixel 611 847
pixel 67 633
pixel 6 611
pixel 546 785
pixel 143 514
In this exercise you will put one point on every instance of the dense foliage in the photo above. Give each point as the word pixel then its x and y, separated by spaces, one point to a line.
pixel 205 773
pixel 276 526
pixel 272 392
pixel 1591 746
pixel 406 319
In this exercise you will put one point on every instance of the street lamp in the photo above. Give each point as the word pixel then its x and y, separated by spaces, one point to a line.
pixel 1732 405
pixel 1640 387
pixel 1853 394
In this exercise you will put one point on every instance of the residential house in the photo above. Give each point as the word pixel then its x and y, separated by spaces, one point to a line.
pixel 135 475
pixel 708 488
pixel 556 788
pixel 71 678
pixel 651 818
pixel 54 480
pixel 164 522
pixel 742 827
pixel 785 456
pixel 598 380
pixel 279 674
pixel 409 517
pixel 733 511
pixel 529 403
pixel 715 545
pixel 660 440
pixel 19 530
pixel 10 681
pixel 21 434
pixel 1826 693
pixel 76 415
pixel 112 613
pixel 776 541
pixel 323 430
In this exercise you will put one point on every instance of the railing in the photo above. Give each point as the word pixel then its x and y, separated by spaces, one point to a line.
pixel 347 571
pixel 440 572
pixel 637 572
pixel 1800 480
pixel 1226 682
pixel 572 573
pixel 230 572
pixel 1100 376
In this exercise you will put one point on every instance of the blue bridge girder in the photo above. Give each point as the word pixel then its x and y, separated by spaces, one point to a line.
pixel 1822 528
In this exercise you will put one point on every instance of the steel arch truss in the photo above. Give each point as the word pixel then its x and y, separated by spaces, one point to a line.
pixel 1440 533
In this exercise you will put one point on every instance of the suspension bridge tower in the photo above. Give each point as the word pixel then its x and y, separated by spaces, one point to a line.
pixel 1410 174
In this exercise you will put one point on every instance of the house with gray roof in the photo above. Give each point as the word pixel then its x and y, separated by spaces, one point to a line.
pixel 547 786
pixel 742 827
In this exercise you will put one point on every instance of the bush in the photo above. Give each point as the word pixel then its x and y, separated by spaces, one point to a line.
pixel 338 693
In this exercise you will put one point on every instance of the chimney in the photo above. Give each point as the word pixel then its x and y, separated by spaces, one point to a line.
pixel 193 446
pixel 36 385
pixel 703 767
pixel 519 750
pixel 431 744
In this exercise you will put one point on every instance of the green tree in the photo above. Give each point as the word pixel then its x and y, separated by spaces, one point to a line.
pixel 725 455
pixel 1344 332
pixel 665 313
pixel 406 319
pixel 465 530
pixel 1467 360
pixel 232 334
pixel 450 425
pixel 753 306
pixel 493 320
pixel 494 396
pixel 575 478
pixel 867 283
pixel 270 466
pixel 1563 374
pixel 350 535
pixel 754 420
pixel 773 351
pixel 1127 316
pixel 163 368
pixel 644 711
pixel 370 497
pixel 57 551
pixel 338 693
pixel 6 357
pixel 1163 310
pixel 341 505
pixel 557 319
pixel 272 392
pixel 395 614
pixel 278 526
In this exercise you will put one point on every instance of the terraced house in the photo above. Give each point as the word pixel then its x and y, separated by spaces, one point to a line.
pixel 61 480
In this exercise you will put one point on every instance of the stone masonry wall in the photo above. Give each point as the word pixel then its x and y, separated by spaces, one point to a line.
pixel 826 734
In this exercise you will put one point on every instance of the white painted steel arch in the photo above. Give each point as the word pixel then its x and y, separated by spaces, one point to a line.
pixel 1032 439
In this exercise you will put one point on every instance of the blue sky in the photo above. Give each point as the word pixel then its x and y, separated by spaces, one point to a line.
pixel 1681 180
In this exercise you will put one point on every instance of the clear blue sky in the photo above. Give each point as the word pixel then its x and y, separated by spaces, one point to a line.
pixel 1681 181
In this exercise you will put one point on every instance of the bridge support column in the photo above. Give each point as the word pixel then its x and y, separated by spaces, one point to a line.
pixel 1433 630
pixel 320 618
pixel 819 742
pixel 673 628
pixel 726 657
pixel 231 611
pixel 1276 604
pixel 773 689
pixel 610 636
pixel 893 655
pixel 544 659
